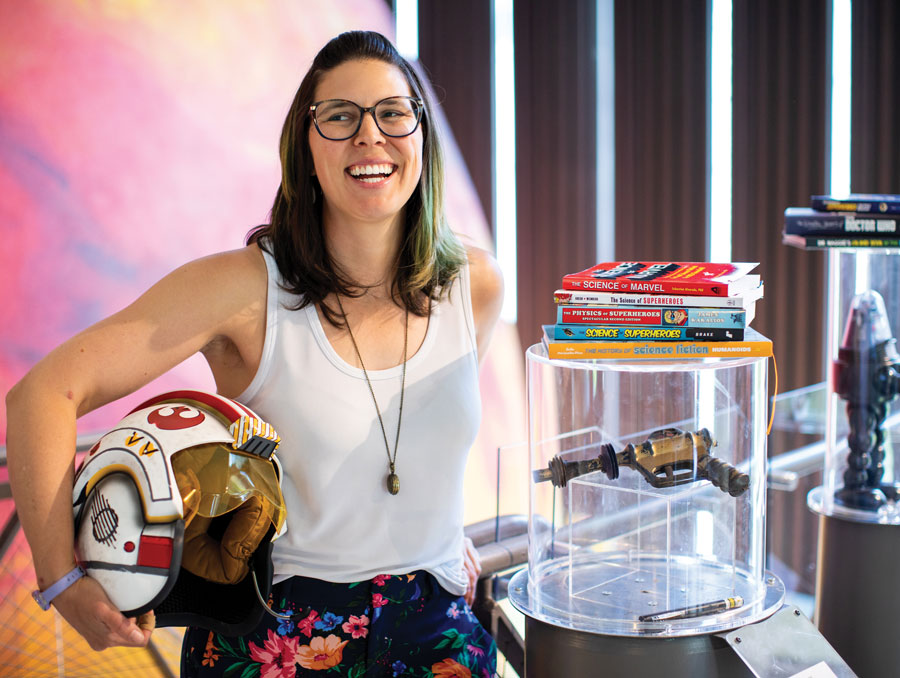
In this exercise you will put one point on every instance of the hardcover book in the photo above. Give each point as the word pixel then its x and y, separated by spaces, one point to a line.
pixel 745 300
pixel 806 221
pixel 619 333
pixel 754 345
pixel 857 202
pixel 651 316
pixel 814 242
pixel 659 277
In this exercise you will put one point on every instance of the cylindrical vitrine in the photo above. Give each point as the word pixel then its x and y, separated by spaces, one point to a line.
pixel 862 421
pixel 857 502
pixel 647 511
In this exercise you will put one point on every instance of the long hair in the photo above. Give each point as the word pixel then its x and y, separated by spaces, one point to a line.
pixel 430 254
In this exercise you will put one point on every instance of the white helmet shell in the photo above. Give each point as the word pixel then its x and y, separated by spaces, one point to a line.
pixel 128 510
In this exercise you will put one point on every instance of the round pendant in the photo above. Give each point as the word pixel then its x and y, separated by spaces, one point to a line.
pixel 393 483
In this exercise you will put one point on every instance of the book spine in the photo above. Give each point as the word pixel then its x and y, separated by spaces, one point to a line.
pixel 841 225
pixel 575 281
pixel 657 350
pixel 874 204
pixel 613 333
pixel 814 242
pixel 650 316
pixel 608 299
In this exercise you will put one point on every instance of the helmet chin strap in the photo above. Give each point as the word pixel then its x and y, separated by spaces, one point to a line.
pixel 288 617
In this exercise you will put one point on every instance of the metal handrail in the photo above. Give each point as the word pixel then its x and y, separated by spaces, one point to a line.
pixel 786 469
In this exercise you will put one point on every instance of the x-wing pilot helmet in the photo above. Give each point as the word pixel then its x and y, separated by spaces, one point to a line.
pixel 176 509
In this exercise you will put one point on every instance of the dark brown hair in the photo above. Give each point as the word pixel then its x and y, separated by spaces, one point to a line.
pixel 430 254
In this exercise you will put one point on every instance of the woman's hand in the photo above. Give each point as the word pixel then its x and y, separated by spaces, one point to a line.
pixel 87 608
pixel 472 567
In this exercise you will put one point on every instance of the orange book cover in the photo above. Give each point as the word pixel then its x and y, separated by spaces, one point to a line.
pixel 754 345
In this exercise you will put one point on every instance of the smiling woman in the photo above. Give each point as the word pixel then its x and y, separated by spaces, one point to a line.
pixel 353 322
pixel 391 163
pixel 430 255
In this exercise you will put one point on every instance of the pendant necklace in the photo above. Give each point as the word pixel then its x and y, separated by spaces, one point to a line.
pixel 393 482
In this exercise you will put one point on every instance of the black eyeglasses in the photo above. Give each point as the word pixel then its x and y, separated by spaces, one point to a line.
pixel 339 119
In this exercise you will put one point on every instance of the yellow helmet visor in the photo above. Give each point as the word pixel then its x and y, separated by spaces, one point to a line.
pixel 214 479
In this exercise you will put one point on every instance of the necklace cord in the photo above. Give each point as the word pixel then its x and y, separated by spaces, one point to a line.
pixel 391 460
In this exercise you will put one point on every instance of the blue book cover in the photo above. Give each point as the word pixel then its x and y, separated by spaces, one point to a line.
pixel 753 345
pixel 613 333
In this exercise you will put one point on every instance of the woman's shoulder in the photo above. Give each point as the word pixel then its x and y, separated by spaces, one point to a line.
pixel 486 281
pixel 213 288
pixel 246 259
pixel 484 273
pixel 234 271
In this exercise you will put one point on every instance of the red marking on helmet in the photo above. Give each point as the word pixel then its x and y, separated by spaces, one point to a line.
pixel 175 421
pixel 230 409
pixel 129 546
pixel 155 552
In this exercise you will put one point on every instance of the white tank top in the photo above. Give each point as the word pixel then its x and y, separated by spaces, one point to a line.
pixel 343 525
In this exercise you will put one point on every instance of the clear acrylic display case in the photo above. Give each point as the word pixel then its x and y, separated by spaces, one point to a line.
pixel 862 419
pixel 679 526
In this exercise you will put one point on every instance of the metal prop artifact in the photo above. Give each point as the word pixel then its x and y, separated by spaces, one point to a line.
pixel 668 457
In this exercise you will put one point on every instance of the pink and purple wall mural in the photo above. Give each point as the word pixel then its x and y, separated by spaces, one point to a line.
pixel 135 136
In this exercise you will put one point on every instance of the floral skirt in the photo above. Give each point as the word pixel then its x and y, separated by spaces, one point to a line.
pixel 392 625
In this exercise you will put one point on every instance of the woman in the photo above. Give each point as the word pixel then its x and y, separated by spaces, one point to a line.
pixel 353 323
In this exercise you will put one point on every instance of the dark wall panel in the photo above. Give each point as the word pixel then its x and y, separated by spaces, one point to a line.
pixel 455 49
pixel 661 129
pixel 780 113
pixel 875 150
pixel 555 151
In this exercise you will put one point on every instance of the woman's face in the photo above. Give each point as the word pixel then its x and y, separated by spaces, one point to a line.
pixel 394 165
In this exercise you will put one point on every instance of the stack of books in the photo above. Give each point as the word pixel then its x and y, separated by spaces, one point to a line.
pixel 856 221
pixel 657 310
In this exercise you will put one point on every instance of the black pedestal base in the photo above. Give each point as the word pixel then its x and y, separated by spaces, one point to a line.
pixel 857 597
pixel 555 652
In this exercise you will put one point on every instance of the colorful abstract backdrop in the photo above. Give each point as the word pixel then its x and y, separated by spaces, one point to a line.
pixel 135 136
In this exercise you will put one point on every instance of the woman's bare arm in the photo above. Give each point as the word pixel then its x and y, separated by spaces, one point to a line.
pixel 222 296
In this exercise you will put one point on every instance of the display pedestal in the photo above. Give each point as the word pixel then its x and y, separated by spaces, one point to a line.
pixel 857 598
pixel 552 651
pixel 783 645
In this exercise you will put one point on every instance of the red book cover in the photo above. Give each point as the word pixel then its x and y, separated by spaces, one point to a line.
pixel 665 277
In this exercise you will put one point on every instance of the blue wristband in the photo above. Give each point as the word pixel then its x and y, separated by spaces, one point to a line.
pixel 44 598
